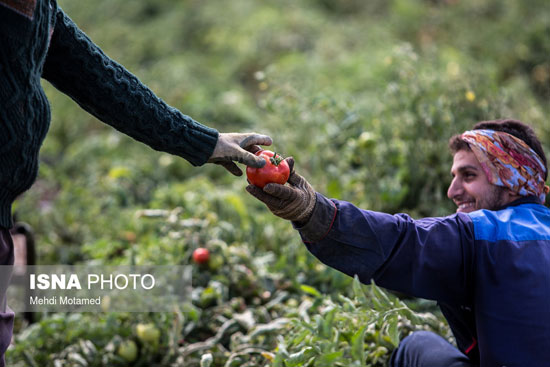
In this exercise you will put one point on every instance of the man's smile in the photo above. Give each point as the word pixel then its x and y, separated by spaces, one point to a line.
pixel 465 206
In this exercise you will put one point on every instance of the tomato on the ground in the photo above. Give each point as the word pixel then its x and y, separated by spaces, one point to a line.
pixel 201 255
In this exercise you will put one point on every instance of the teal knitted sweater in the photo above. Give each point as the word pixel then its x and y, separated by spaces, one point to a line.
pixel 37 40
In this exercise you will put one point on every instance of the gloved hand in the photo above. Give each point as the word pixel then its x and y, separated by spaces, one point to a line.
pixel 241 148
pixel 294 202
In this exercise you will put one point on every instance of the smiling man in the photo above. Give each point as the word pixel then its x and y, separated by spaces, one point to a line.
pixel 488 265
pixel 496 163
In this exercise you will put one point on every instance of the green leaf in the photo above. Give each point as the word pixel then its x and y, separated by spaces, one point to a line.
pixel 328 323
pixel 310 290
pixel 358 345
pixel 299 359
pixel 379 298
pixel 328 359
pixel 279 360
pixel 393 331
pixel 301 336
pixel 411 315
pixel 348 303
pixel 358 291
pixel 29 358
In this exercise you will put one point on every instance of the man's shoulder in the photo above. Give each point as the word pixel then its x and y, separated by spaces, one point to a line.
pixel 524 222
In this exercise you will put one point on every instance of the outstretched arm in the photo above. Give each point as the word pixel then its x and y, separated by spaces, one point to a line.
pixel 104 88
pixel 430 258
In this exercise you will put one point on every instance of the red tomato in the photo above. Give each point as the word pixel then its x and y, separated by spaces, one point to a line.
pixel 276 170
pixel 201 255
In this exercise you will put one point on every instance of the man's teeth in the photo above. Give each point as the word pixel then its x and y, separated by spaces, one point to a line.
pixel 466 205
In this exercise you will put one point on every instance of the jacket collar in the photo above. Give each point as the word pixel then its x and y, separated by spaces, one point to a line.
pixel 520 201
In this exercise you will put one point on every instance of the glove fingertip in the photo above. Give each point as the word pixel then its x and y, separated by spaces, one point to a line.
pixel 270 188
pixel 277 190
pixel 290 162
pixel 260 162
pixel 254 191
pixel 254 161
pixel 266 140
pixel 234 169
pixel 294 178
pixel 255 139
pixel 250 188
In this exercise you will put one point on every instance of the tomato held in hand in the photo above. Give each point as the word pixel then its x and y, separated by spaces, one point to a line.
pixel 201 255
pixel 276 170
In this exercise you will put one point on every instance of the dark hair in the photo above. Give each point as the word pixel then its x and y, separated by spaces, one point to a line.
pixel 512 127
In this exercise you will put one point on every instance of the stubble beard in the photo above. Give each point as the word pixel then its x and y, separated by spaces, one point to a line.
pixel 495 199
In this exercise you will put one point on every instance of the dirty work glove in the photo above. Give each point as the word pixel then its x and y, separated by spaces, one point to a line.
pixel 238 147
pixel 294 202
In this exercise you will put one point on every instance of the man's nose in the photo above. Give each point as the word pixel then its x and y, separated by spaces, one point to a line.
pixel 455 188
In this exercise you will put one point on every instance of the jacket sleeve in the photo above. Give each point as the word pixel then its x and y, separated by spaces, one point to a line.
pixel 104 88
pixel 430 258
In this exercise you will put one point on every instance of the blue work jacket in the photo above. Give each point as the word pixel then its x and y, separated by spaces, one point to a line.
pixel 488 270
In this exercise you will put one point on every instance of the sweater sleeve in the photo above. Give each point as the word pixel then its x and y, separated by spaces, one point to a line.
pixel 104 88
pixel 430 258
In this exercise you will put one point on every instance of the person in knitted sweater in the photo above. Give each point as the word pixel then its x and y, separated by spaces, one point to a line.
pixel 38 40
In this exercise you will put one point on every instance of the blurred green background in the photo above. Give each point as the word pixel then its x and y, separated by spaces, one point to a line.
pixel 363 94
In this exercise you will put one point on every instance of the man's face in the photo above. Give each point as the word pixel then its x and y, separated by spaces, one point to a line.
pixel 470 189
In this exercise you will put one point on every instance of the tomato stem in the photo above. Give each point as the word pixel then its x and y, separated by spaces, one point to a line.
pixel 276 159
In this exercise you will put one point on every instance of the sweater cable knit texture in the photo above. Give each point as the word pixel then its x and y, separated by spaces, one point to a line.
pixel 45 43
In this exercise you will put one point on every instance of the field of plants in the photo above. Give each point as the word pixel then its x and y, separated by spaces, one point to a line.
pixel 363 94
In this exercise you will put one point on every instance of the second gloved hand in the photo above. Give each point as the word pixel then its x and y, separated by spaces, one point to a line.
pixel 294 202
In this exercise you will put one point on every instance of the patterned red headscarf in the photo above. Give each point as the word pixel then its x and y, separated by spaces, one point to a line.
pixel 508 161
